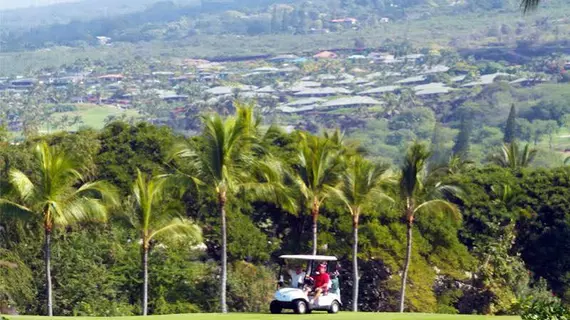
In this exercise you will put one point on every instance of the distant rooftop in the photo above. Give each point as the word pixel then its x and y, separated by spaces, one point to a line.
pixel 304 102
pixel 322 91
pixel 351 101
pixel 379 90
pixel 485 79
pixel 412 80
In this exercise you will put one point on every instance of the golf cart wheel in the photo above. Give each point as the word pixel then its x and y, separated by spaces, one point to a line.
pixel 275 307
pixel 335 307
pixel 300 307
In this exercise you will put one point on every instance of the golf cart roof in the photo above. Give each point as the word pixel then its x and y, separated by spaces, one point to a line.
pixel 308 257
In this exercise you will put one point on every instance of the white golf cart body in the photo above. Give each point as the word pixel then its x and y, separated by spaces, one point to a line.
pixel 298 300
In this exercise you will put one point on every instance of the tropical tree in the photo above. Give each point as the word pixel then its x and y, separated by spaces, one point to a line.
pixel 154 221
pixel 528 5
pixel 421 192
pixel 363 184
pixel 59 197
pixel 511 157
pixel 317 172
pixel 233 160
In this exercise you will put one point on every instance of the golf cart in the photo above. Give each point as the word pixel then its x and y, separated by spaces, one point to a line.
pixel 298 296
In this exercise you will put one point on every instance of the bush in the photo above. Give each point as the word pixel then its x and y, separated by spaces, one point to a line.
pixel 545 310
pixel 250 287
pixel 64 108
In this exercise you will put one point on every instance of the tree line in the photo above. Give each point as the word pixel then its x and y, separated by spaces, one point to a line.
pixel 175 193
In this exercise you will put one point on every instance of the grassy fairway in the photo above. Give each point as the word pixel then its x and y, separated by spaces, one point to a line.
pixel 315 316
pixel 94 115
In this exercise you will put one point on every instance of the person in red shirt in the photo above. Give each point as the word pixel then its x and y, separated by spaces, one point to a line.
pixel 322 281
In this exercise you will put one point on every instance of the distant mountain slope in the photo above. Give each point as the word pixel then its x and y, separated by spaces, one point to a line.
pixel 11 4
pixel 79 24
pixel 32 13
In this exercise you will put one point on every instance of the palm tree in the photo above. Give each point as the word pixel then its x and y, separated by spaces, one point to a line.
pixel 363 184
pixel 56 199
pixel 420 192
pixel 511 157
pixel 317 173
pixel 232 160
pixel 153 221
pixel 529 5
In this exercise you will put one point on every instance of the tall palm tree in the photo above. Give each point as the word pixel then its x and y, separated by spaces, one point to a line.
pixel 363 184
pixel 56 198
pixel 511 157
pixel 317 173
pixel 154 221
pixel 233 159
pixel 420 192
pixel 529 5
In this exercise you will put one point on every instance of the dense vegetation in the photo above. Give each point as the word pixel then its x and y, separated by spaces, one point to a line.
pixel 501 243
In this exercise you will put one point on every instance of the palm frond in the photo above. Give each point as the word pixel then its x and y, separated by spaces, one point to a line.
pixel 439 208
pixel 414 165
pixel 512 157
pixel 102 190
pixel 77 210
pixel 9 209
pixel 22 185
pixel 178 228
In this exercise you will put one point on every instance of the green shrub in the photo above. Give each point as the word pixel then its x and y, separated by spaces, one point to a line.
pixel 250 287
pixel 64 108
pixel 545 310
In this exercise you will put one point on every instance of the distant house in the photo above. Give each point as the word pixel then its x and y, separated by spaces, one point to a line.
pixel 162 74
pixel 266 89
pixel 485 79
pixel 305 102
pixel 382 57
pixel 526 81
pixel 412 80
pixel 346 21
pixel 430 89
pixel 436 69
pixel 111 77
pixel 351 102
pixel 384 20
pixel 321 92
pixel 175 98
pixel 379 90
pixel 284 58
pixel 225 90
pixel 102 40
pixel 326 55
pixel 23 83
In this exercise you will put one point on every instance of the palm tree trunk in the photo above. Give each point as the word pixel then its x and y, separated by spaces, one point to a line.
pixel 48 270
pixel 145 280
pixel 407 264
pixel 222 202
pixel 315 215
pixel 355 277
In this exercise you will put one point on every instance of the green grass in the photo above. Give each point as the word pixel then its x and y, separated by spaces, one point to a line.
pixel 315 316
pixel 94 115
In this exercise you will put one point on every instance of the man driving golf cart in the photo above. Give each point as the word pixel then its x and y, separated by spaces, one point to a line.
pixel 314 293
pixel 321 283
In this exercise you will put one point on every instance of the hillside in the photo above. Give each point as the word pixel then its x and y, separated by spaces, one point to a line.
pixel 79 24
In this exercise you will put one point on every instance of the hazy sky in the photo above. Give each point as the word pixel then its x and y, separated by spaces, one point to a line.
pixel 11 4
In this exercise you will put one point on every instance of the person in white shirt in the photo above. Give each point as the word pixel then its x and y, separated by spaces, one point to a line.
pixel 297 276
